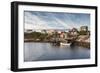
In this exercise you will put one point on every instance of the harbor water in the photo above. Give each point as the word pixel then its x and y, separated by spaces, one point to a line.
pixel 37 51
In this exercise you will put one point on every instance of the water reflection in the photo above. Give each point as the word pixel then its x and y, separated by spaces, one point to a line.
pixel 46 51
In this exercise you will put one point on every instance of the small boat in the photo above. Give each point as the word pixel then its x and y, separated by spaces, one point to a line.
pixel 65 44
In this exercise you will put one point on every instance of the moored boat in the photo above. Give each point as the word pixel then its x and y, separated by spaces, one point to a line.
pixel 65 43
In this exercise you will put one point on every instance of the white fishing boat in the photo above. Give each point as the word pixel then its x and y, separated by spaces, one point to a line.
pixel 65 44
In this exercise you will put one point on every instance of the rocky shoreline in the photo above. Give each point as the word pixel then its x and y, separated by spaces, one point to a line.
pixel 76 43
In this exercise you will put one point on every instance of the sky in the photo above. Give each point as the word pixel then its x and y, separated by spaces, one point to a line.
pixel 55 20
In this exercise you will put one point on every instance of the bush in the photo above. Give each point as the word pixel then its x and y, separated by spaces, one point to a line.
pixel 35 35
pixel 82 32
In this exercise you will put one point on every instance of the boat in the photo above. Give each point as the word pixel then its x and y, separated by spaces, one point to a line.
pixel 65 44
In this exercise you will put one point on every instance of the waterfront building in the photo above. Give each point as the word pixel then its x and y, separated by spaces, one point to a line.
pixel 28 31
pixel 50 31
pixel 84 28
pixel 63 35
pixel 44 31
pixel 73 32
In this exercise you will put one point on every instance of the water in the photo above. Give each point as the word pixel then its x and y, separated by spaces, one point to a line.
pixel 34 51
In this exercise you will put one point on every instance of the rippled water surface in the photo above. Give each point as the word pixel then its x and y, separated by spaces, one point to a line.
pixel 45 51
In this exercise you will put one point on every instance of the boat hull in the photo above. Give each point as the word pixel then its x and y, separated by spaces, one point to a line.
pixel 66 44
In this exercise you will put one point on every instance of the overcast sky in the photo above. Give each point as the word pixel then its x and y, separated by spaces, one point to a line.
pixel 54 20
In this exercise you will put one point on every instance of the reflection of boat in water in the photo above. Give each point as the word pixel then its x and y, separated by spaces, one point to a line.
pixel 65 44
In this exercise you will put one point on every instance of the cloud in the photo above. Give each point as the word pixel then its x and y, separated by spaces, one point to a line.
pixel 49 20
pixel 34 22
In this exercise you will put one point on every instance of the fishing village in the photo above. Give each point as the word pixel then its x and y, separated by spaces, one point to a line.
pixel 59 37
